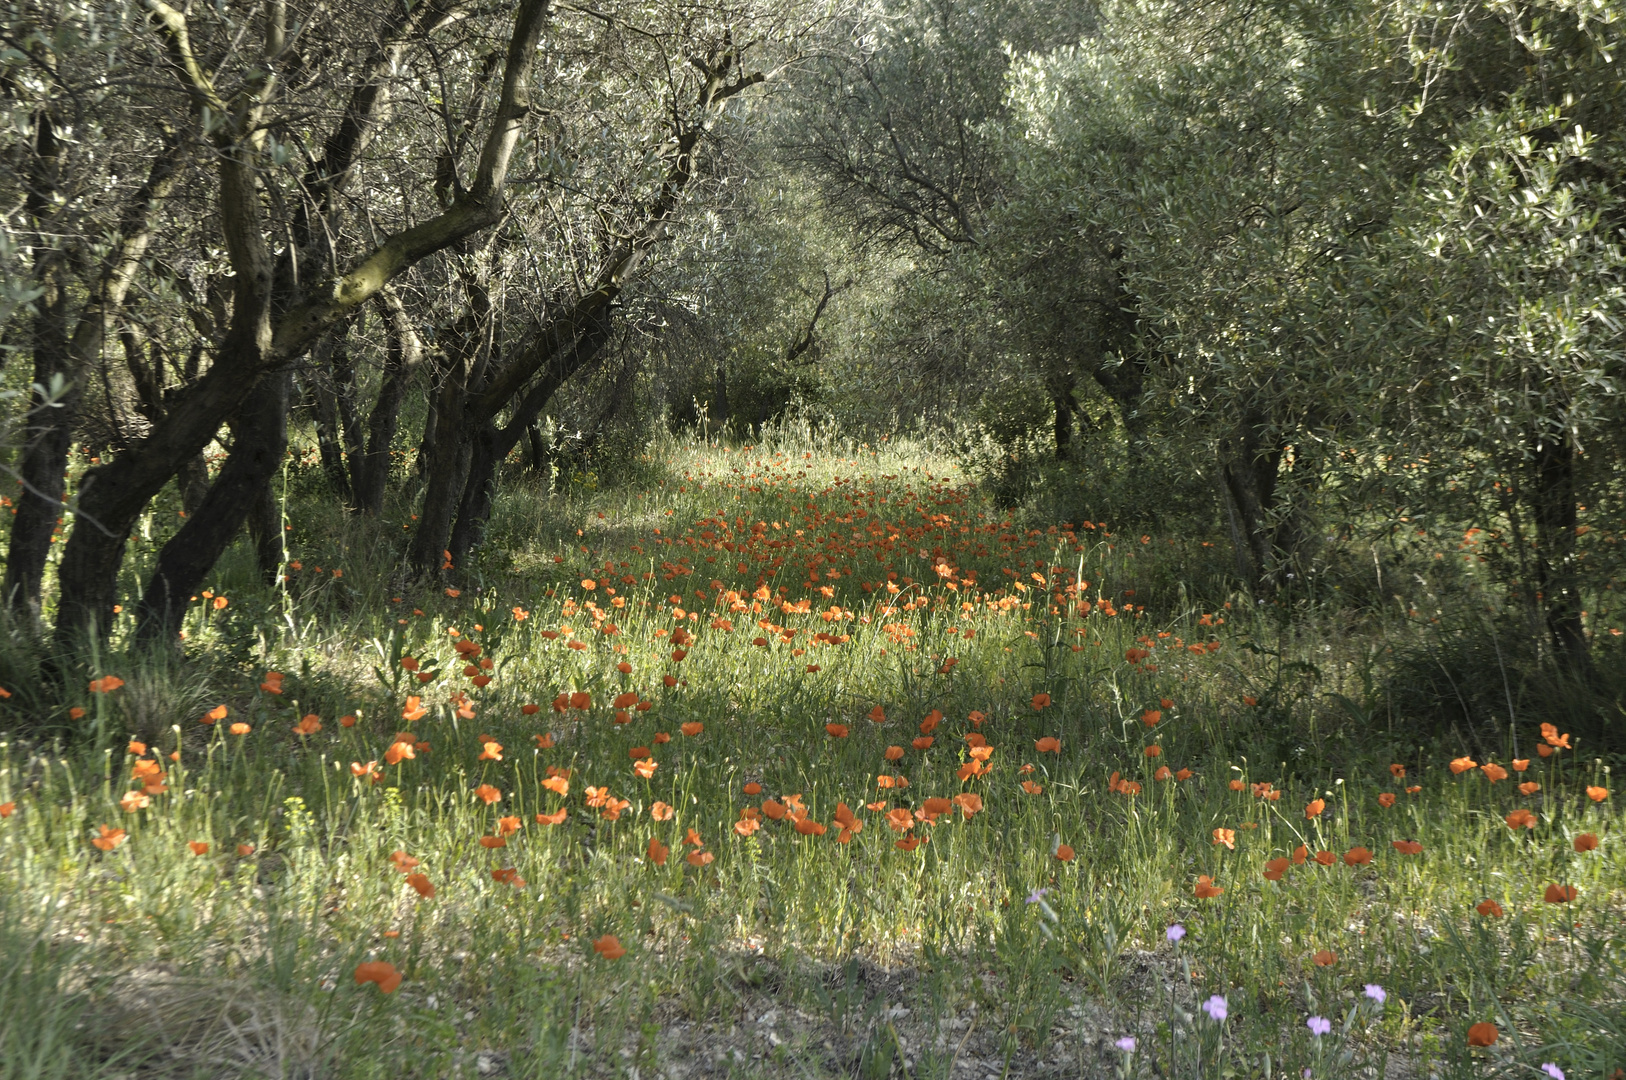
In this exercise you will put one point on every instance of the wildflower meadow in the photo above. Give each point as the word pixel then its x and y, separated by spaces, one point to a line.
pixel 796 758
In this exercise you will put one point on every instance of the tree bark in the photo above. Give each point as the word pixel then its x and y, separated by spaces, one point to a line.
pixel 403 352
pixel 1554 508
pixel 329 425
pixel 259 441
pixel 1248 473
pixel 114 495
pixel 1063 402
pixel 48 434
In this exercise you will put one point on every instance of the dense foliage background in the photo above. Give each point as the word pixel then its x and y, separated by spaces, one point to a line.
pixel 1334 288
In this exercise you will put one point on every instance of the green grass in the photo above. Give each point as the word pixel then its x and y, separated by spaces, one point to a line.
pixel 976 953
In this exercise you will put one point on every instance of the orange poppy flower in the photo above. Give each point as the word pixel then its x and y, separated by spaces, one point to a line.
pixel 609 946
pixel 969 802
pixel 1597 794
pixel 1325 858
pixel 1249 700
pixel 1559 894
pixel 908 843
pixel 1064 852
pixel 7 809
pixel 413 709
pixel 1162 773
pixel 1274 869
pixel 493 842
pixel 1414 789
pixel 703 858
pixel 1586 842
pixel 747 826
pixel 421 885
pixel 1463 764
pixel 692 727
pixel 1544 750
pixel 1206 889
pixel 1386 800
pixel 1151 717
pixel 1529 787
pixel 1553 739
pixel 775 810
pixel 199 847
pixel 557 784
pixel 1325 958
pixel 1398 771
pixel 657 851
pixel 379 972
pixel 1031 788
pixel 1357 856
pixel 1521 818
pixel 555 818
pixel 900 820
pixel 894 753
pixel 1184 774
pixel 836 731
pixel 1048 745
pixel 878 715
pixel 1315 807
pixel 309 724
pixel 1226 837
pixel 1153 751
pixel 645 768
pixel 133 801
pixel 1482 1034
pixel 1040 701
pixel 487 794
pixel 753 788
pixel 109 838
pixel 508 825
pixel 108 683
pixel 1238 785
pixel 1521 764
pixel 1408 847
pixel 661 737
pixel 1489 908
pixel 1493 772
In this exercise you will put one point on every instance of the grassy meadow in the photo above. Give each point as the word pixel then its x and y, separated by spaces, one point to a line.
pixel 798 759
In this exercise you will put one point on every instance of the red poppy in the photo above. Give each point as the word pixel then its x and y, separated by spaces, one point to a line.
pixel 421 885
pixel 199 847
pixel 836 731
pixel 1482 1034
pixel 1040 700
pixel 487 794
pixel 692 727
pixel 1357 856
pixel 1489 908
pixel 657 852
pixel 1064 852
pixel 1596 794
pixel 1586 842
pixel 1274 869
pixel 1325 958
pixel 1048 745
pixel 1386 800
pixel 1314 809
pixel 1226 837
pixel 1206 889
pixel 379 972
pixel 1325 858
pixel 1408 847
pixel 1559 894
pixel 555 818
pixel 609 946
